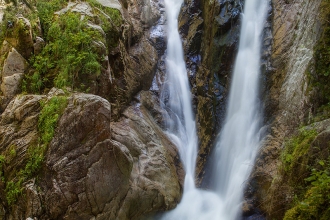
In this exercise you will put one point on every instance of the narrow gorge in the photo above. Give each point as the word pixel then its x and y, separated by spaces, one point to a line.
pixel 164 109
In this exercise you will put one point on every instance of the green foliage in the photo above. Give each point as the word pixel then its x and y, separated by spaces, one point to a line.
pixel 113 14
pixel 2 159
pixel 67 58
pixel 11 1
pixel 320 79
pixel 46 10
pixel 307 176
pixel 8 17
pixel 316 201
pixel 13 28
pixel 49 116
pixel 295 151
pixel 70 57
pixel 111 21
pixel 35 160
pixel 13 191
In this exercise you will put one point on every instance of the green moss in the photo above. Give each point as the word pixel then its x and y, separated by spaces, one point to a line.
pixel 48 118
pixel 321 78
pixel 296 148
pixel 51 110
pixel 316 201
pixel 305 172
pixel 46 10
pixel 110 19
pixel 307 175
pixel 113 14
pixel 68 57
pixel 35 160
pixel 13 191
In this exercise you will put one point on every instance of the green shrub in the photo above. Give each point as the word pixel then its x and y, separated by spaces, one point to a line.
pixel 35 160
pixel 295 151
pixel 46 10
pixel 320 79
pixel 51 110
pixel 13 191
pixel 68 56
pixel 316 201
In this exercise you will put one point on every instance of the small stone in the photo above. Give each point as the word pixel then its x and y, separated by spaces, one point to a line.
pixel 38 45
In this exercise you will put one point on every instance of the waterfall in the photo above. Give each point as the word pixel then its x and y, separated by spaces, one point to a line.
pixel 176 96
pixel 239 139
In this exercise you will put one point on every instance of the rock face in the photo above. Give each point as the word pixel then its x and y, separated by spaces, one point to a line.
pixel 296 29
pixel 12 73
pixel 18 130
pixel 210 30
pixel 108 152
pixel 13 69
pixel 134 65
pixel 154 163
pixel 21 37
pixel 107 177
pixel 93 168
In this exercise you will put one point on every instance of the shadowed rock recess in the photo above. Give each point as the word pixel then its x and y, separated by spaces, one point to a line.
pixel 81 124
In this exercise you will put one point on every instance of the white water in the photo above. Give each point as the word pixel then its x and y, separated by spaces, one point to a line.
pixel 239 139
pixel 176 96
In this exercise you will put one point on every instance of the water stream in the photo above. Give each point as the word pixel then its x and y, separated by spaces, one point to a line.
pixel 176 96
pixel 239 139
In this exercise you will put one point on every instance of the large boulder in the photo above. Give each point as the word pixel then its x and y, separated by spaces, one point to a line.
pixel 12 73
pixel 93 168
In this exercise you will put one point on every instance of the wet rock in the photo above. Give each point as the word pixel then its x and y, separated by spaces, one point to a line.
pixel 149 12
pixel 211 45
pixel 139 63
pixel 148 146
pixel 133 62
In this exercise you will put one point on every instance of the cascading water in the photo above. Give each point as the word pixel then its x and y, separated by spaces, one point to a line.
pixel 239 139
pixel 176 97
